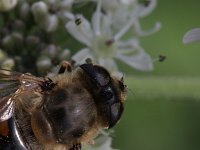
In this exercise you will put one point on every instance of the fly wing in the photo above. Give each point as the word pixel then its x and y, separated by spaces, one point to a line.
pixel 7 75
pixel 11 80
pixel 6 108
pixel 9 84
pixel 7 90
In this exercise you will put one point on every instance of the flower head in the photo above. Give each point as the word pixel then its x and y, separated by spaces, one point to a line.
pixel 123 11
pixel 104 43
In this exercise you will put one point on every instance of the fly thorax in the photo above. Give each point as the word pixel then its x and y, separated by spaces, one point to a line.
pixel 71 112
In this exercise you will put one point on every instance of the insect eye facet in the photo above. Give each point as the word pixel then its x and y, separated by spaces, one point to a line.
pixel 103 77
pixel 108 95
pixel 98 74
pixel 116 111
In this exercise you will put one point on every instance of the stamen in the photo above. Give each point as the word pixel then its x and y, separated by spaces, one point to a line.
pixel 98 17
pixel 78 21
pixel 160 58
pixel 109 42
pixel 148 32
pixel 124 30
pixel 148 8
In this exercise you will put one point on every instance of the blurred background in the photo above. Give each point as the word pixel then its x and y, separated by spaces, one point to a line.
pixel 163 107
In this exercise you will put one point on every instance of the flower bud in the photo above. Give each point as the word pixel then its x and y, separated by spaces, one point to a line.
pixel 51 23
pixel 40 11
pixel 6 5
pixel 25 11
pixel 66 4
pixel 12 41
pixel 64 55
pixel 2 55
pixel 8 43
pixel 51 51
pixel 43 65
pixel 17 39
pixel 18 25
pixel 18 59
pixel 8 64
pixel 32 41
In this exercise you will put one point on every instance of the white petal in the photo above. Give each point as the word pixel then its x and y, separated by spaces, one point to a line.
pixel 124 29
pixel 66 4
pixel 82 32
pixel 101 143
pixel 192 35
pixel 110 5
pixel 128 2
pixel 106 25
pixel 108 64
pixel 131 43
pixel 141 61
pixel 51 23
pixel 66 16
pixel 96 18
pixel 140 32
pixel 82 55
pixel 144 11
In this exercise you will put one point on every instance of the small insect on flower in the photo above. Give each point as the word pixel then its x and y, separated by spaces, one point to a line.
pixel 62 112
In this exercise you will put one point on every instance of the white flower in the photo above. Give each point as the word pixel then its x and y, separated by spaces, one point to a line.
pixel 103 142
pixel 105 44
pixel 124 11
pixel 192 35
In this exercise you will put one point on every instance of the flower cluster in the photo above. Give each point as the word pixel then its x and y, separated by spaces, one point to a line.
pixel 112 34
pixel 27 33
pixel 103 35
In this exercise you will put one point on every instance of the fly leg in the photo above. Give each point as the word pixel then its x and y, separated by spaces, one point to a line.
pixel 65 66
pixel 76 146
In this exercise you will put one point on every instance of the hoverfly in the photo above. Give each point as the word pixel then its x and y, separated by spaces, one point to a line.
pixel 62 112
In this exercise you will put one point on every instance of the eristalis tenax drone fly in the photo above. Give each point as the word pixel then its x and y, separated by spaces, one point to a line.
pixel 58 113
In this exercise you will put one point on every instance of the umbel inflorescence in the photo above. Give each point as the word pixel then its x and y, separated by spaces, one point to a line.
pixel 40 30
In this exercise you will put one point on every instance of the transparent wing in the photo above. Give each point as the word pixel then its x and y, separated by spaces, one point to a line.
pixel 7 75
pixel 16 79
pixel 6 108
pixel 10 82
pixel 7 88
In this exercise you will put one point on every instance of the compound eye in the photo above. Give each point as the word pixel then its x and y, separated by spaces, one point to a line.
pixel 108 95
pixel 97 73
pixel 103 77
pixel 116 111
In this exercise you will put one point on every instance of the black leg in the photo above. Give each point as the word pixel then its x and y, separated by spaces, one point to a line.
pixel 76 147
pixel 88 61
pixel 65 66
